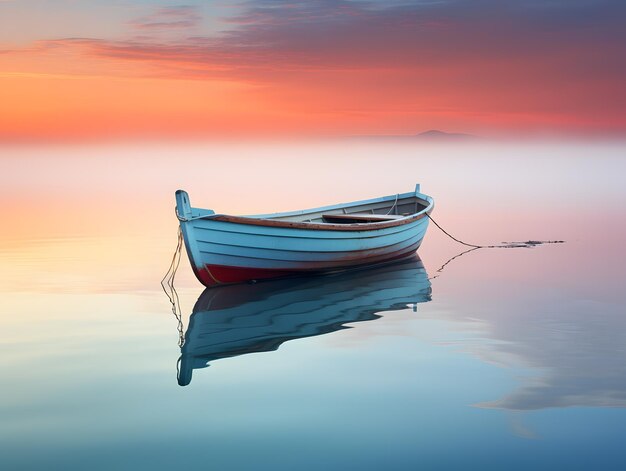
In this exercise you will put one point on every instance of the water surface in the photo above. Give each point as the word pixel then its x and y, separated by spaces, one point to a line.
pixel 507 359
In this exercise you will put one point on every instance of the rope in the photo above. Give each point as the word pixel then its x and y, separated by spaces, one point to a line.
pixel 504 245
pixel 394 204
pixel 440 270
pixel 167 283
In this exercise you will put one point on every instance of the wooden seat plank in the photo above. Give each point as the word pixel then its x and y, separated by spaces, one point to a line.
pixel 360 217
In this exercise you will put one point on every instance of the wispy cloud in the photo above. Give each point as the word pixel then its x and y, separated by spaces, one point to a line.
pixel 347 34
pixel 510 62
pixel 167 18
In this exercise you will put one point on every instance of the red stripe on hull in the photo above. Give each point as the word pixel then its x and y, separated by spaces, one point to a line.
pixel 213 275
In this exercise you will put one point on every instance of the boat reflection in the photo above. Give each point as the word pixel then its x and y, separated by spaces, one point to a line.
pixel 238 319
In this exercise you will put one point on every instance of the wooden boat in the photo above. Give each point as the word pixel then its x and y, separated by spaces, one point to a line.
pixel 248 318
pixel 232 249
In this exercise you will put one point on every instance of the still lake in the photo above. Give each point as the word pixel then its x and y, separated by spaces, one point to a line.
pixel 505 359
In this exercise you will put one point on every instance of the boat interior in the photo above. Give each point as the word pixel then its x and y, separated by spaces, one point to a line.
pixel 380 210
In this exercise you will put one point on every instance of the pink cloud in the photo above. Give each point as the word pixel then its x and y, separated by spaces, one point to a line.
pixel 171 17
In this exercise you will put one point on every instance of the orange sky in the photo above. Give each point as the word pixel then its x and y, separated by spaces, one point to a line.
pixel 314 69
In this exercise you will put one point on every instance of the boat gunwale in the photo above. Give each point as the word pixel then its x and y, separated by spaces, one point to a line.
pixel 268 221
pixel 321 226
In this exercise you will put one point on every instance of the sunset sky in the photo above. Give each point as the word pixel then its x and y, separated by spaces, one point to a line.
pixel 105 69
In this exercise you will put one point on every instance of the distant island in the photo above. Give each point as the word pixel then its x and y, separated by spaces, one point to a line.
pixel 435 134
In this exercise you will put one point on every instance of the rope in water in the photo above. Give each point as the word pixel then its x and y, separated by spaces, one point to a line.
pixel 441 268
pixel 504 245
pixel 168 283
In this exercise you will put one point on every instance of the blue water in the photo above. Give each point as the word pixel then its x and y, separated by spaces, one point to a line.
pixel 507 359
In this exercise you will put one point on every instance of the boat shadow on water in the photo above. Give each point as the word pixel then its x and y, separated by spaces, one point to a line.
pixel 238 319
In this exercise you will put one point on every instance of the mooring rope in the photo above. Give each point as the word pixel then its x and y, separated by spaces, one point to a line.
pixel 168 283
pixel 503 245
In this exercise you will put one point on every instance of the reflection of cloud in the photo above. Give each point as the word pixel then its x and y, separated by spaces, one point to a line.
pixel 579 347
pixel 518 427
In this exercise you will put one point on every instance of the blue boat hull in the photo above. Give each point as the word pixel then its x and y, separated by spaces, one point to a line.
pixel 227 249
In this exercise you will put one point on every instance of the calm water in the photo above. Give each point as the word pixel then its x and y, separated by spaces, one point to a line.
pixel 508 359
